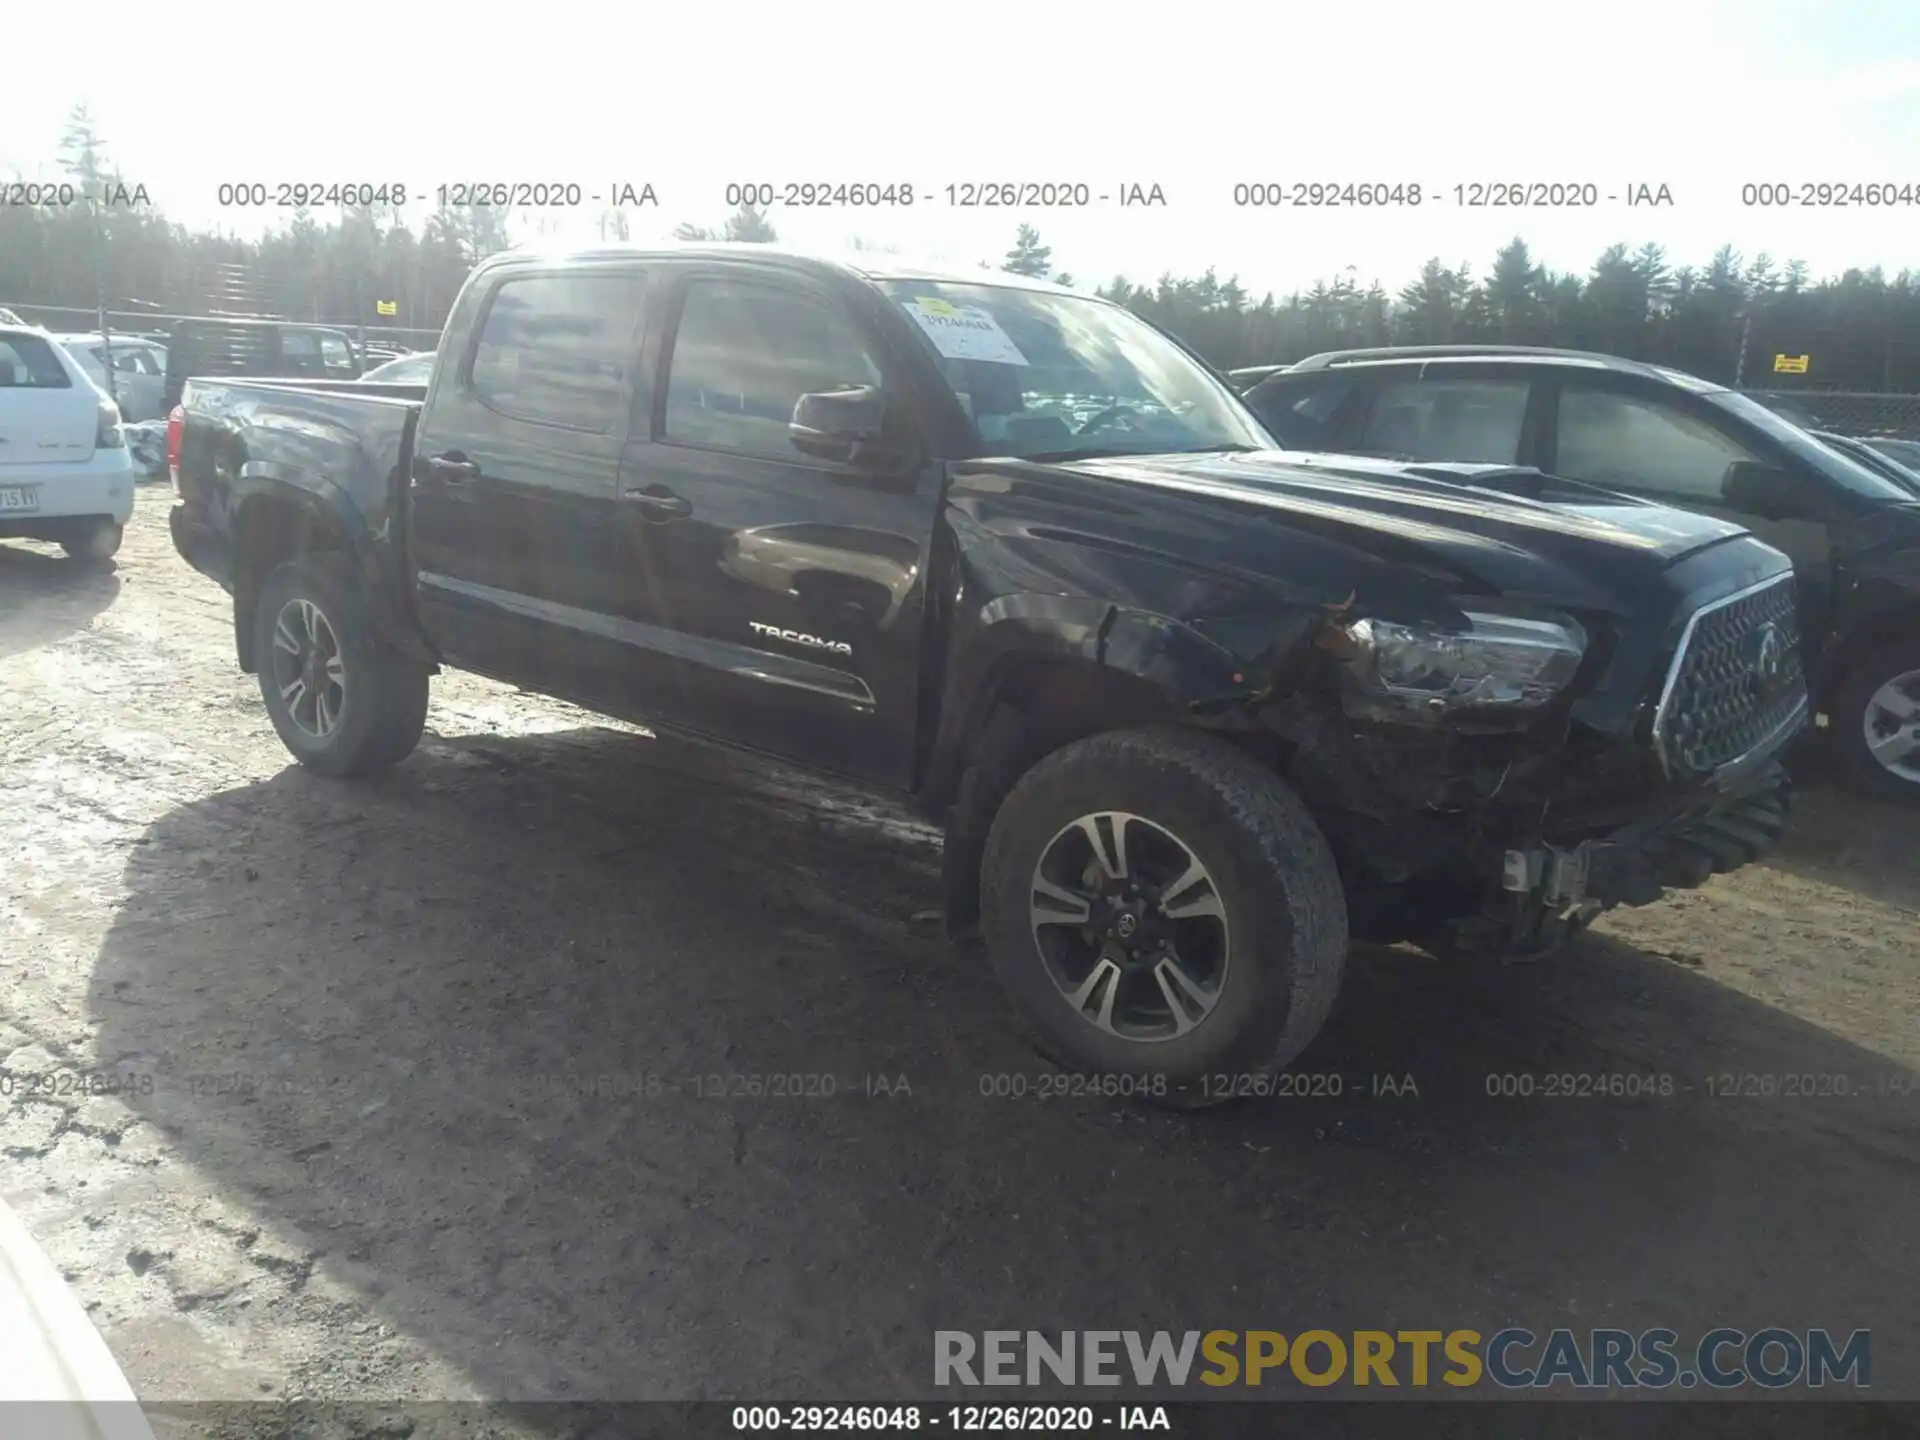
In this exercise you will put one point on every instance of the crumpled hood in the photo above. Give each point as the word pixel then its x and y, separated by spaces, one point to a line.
pixel 1488 528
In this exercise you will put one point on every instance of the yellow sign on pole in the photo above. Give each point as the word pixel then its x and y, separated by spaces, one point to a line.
pixel 1790 364
pixel 387 307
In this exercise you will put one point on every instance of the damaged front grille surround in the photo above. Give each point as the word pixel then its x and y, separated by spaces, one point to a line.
pixel 1736 682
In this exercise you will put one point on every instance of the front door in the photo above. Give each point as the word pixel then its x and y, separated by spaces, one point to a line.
pixel 514 482
pixel 786 589
pixel 1656 447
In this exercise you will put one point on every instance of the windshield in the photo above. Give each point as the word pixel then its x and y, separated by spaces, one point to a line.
pixel 1056 376
pixel 1824 458
pixel 1904 453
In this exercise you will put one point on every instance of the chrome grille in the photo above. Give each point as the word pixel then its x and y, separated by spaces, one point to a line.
pixel 1736 680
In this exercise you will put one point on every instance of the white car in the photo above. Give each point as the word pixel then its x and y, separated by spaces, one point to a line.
pixel 406 370
pixel 139 370
pixel 65 473
pixel 58 1368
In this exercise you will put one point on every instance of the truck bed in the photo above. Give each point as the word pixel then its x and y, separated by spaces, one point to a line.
pixel 342 448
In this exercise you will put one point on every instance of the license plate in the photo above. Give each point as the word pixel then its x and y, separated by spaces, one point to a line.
pixel 19 497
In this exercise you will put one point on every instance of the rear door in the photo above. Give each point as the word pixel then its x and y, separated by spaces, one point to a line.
pixel 48 416
pixel 516 462
pixel 784 588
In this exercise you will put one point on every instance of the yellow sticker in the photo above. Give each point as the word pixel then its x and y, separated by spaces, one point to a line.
pixel 942 308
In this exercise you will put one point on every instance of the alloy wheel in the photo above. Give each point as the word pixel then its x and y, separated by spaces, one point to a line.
pixel 1131 926
pixel 1891 724
pixel 308 671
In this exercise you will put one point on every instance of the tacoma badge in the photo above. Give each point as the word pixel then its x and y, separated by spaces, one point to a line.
pixel 796 637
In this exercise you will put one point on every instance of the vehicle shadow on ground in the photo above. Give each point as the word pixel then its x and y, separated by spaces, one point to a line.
pixel 450 986
pixel 1843 837
pixel 44 595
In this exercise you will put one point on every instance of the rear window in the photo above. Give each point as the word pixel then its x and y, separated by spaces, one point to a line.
pixel 27 362
pixel 559 350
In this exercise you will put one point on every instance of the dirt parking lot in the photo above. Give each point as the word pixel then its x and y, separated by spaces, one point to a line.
pixel 417 1105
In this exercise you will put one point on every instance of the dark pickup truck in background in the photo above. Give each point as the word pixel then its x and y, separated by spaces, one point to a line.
pixel 255 348
pixel 1851 528
pixel 1191 711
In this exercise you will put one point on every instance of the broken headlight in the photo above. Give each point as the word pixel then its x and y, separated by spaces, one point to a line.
pixel 1498 663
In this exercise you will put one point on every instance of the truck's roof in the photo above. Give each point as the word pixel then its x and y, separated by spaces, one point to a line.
pixel 858 264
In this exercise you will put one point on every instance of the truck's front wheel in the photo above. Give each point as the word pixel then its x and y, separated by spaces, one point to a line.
pixel 343 703
pixel 1161 907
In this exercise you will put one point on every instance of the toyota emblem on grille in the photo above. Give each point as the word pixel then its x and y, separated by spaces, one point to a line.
pixel 1769 659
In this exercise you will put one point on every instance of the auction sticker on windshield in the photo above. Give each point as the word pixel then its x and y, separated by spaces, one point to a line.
pixel 963 332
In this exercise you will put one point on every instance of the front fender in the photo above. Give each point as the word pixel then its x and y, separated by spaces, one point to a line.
pixel 1181 672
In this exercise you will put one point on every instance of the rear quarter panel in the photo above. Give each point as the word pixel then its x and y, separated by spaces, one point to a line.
pixel 339 459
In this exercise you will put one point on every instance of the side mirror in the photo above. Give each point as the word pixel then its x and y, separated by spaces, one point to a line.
pixel 1767 491
pixel 835 424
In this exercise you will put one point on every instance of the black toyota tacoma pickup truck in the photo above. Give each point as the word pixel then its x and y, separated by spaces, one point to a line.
pixel 1192 712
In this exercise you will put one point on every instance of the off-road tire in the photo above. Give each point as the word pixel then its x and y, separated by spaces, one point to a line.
pixel 385 708
pixel 93 542
pixel 1279 886
pixel 1848 715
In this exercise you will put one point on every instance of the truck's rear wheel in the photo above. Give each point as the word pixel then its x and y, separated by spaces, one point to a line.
pixel 1161 907
pixel 343 703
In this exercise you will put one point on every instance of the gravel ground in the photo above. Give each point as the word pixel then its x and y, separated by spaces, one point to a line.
pixel 415 1109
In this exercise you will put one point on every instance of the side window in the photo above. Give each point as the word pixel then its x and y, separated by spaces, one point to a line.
pixel 560 350
pixel 1475 421
pixel 1637 444
pixel 336 356
pixel 744 354
pixel 1301 416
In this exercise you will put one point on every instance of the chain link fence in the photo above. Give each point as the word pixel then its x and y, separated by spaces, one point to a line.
pixel 1847 412
pixel 130 323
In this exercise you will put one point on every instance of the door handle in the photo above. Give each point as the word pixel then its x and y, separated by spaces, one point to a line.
pixel 452 471
pixel 659 501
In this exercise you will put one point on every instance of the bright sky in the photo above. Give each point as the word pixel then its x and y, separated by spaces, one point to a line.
pixel 1699 95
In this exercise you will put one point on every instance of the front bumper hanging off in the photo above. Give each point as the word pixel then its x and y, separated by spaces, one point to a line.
pixel 1548 893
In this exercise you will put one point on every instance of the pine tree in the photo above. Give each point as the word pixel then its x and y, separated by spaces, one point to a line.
pixel 747 223
pixel 1028 256
pixel 83 154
